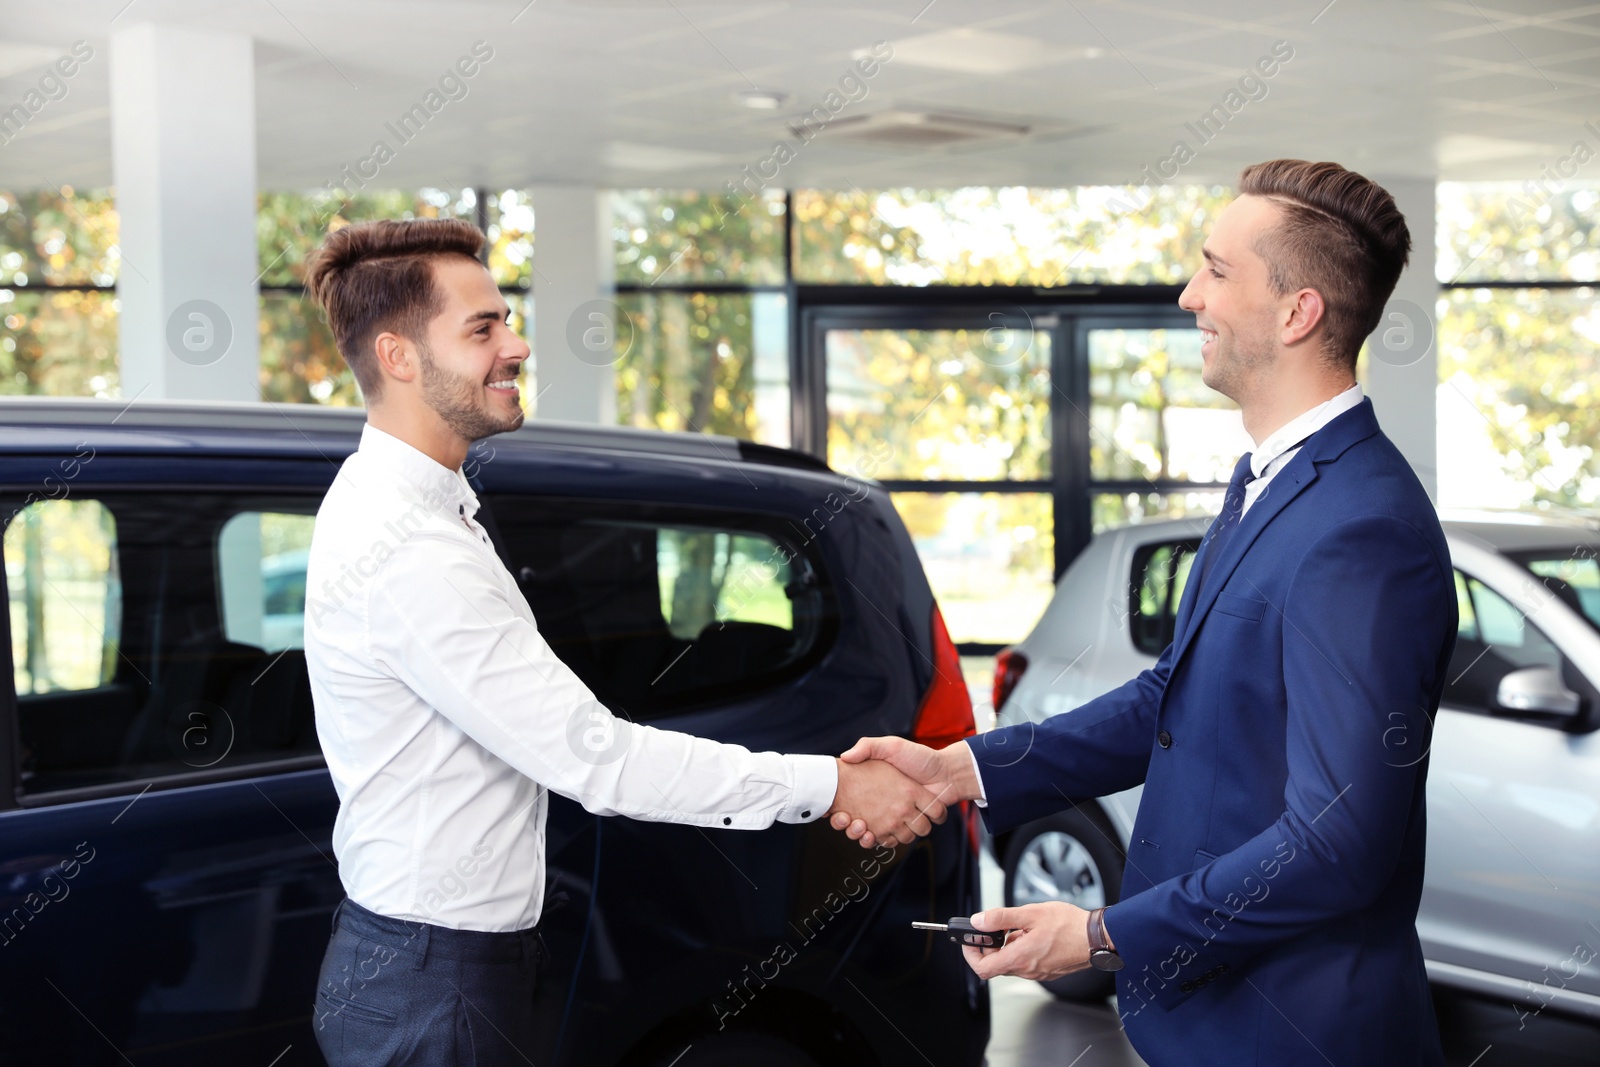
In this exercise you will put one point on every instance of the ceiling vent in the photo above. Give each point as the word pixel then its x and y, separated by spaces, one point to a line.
pixel 914 129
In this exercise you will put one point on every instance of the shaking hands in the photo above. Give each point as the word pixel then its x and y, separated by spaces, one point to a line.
pixel 892 791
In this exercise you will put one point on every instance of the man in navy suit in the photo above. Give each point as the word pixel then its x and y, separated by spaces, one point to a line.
pixel 1269 903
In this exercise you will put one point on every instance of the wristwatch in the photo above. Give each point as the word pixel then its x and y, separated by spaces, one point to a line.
pixel 1102 957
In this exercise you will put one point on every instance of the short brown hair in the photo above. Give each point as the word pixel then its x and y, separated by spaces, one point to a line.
pixel 373 277
pixel 1341 234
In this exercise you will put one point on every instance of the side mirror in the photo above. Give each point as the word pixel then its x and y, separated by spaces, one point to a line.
pixel 1537 692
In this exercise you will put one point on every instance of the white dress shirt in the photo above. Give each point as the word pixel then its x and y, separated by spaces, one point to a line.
pixel 1272 454
pixel 1266 461
pixel 444 716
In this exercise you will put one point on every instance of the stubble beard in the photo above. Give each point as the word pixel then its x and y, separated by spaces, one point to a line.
pixel 460 402
pixel 1240 368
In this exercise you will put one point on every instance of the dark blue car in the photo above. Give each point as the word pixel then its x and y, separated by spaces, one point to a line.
pixel 166 873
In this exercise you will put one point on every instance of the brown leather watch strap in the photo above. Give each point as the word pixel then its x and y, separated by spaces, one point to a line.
pixel 1101 955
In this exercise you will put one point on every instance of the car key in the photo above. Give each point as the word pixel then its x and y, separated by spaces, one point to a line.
pixel 962 930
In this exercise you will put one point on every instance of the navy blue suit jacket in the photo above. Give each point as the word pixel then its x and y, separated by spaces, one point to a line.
pixel 1270 898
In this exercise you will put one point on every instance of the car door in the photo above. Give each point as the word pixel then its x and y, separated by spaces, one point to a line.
pixel 165 860
pixel 1513 868
pixel 686 618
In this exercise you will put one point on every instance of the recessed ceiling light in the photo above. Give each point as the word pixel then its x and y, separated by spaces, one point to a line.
pixel 761 99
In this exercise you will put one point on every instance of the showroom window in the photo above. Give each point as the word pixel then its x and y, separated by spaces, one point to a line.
pixel 1519 343
pixel 701 278
pixel 1012 364
pixel 58 305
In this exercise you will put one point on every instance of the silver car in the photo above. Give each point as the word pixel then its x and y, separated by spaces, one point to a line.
pixel 1511 902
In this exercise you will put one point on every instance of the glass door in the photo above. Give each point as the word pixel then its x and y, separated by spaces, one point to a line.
pixel 952 412
pixel 1010 436
pixel 1162 444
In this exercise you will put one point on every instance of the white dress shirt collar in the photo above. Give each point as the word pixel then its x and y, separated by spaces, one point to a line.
pixel 1302 426
pixel 440 488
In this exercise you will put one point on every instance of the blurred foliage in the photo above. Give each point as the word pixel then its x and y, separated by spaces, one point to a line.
pixel 58 237
pixel 1141 382
pixel 1501 231
pixel 291 226
pixel 300 364
pixel 510 237
pixel 948 408
pixel 1529 361
pixel 989 557
pixel 676 238
pixel 951 404
pixel 692 365
pixel 60 343
pixel 1003 236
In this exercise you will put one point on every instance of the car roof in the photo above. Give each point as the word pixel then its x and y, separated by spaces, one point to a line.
pixel 1503 530
pixel 1523 531
pixel 263 428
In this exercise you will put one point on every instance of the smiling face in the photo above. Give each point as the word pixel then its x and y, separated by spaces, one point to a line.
pixel 471 357
pixel 1234 305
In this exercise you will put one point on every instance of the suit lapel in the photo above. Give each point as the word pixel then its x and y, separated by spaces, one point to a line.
pixel 1327 445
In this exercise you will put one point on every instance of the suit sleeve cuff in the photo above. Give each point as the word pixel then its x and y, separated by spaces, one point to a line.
pixel 982 799
pixel 816 783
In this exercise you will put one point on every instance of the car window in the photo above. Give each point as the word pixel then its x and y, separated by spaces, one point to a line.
pixel 156 634
pixel 1573 576
pixel 661 611
pixel 1499 640
pixel 261 568
pixel 1466 618
pixel 1159 574
pixel 708 576
pixel 64 596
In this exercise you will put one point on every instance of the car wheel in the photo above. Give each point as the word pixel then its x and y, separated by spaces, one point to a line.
pixel 735 1048
pixel 1070 856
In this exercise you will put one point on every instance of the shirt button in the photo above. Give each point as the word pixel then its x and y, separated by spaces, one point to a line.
pixel 1164 739
pixel 727 820
pixel 461 509
pixel 805 815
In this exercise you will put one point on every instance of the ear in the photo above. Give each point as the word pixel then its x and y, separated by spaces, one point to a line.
pixel 1303 313
pixel 396 356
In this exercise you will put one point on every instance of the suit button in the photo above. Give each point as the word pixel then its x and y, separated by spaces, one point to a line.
pixel 1187 987
pixel 1165 739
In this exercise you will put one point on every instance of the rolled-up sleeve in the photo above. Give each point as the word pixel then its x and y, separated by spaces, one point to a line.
pixel 441 619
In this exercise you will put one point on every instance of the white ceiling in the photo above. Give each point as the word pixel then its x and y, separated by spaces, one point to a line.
pixel 643 92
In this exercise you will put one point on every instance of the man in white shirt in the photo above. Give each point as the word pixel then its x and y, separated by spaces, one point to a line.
pixel 443 714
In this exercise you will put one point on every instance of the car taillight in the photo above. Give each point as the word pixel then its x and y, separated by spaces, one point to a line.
pixel 945 716
pixel 1008 668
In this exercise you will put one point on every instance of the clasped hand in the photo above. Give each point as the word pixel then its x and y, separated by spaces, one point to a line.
pixel 892 791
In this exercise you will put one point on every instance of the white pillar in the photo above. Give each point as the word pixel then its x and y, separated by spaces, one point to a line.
pixel 1402 371
pixel 183 158
pixel 579 332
